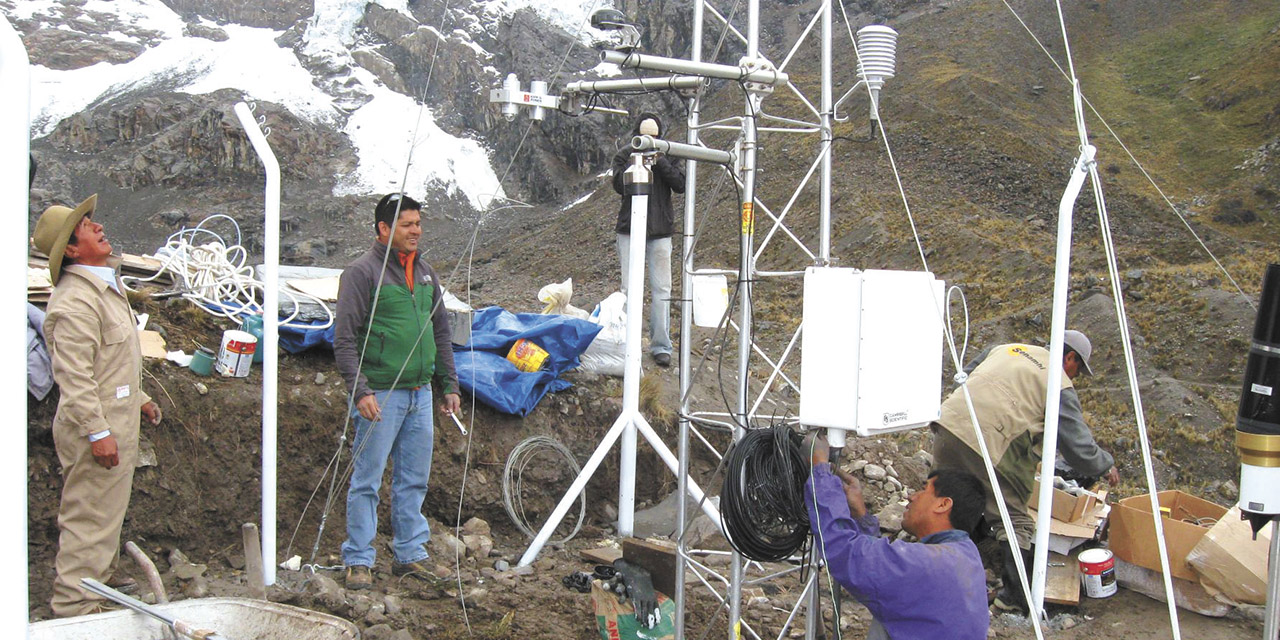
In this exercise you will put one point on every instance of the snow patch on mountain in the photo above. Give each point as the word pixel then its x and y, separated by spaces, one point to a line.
pixel 574 16
pixel 382 130
pixel 150 15
pixel 249 60
pixel 393 130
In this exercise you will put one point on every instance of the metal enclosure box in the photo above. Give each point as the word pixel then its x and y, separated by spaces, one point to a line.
pixel 871 350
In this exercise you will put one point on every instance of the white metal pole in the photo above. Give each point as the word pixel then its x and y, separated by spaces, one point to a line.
pixel 686 327
pixel 15 140
pixel 746 273
pixel 270 336
pixel 637 181
pixel 836 436
pixel 676 65
pixel 824 187
pixel 1271 623
pixel 1061 281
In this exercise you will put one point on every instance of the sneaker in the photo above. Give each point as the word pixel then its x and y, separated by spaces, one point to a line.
pixel 663 359
pixel 123 583
pixel 418 569
pixel 359 577
pixel 1007 602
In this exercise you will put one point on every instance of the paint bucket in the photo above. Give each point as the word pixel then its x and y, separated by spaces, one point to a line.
pixel 1098 572
pixel 527 356
pixel 236 353
pixel 710 299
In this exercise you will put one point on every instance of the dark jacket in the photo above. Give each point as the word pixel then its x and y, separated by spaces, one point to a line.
pixel 408 330
pixel 668 176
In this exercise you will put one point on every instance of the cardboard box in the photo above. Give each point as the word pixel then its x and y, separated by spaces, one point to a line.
pixel 1066 507
pixel 1231 561
pixel 1133 534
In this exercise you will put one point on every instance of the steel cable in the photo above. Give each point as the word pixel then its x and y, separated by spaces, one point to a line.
pixel 513 481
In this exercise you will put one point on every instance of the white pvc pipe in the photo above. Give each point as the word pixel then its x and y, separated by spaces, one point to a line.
pixel 15 141
pixel 270 335
pixel 640 179
pixel 1053 392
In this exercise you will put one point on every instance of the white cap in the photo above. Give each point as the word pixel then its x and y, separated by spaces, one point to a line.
pixel 1079 343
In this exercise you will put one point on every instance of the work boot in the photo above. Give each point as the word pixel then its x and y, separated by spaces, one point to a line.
pixel 102 606
pixel 123 583
pixel 359 577
pixel 418 570
pixel 663 359
pixel 1010 598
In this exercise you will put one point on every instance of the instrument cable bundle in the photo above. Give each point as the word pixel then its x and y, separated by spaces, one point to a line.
pixel 762 501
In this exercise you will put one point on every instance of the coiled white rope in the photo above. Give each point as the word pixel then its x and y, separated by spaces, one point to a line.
pixel 217 277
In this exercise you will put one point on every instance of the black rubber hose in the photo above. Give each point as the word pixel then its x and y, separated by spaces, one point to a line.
pixel 762 500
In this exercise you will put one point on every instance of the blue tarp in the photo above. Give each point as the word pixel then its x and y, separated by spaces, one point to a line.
pixel 297 339
pixel 294 339
pixel 484 370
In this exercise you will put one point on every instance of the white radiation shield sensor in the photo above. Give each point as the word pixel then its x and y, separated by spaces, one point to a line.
pixel 871 359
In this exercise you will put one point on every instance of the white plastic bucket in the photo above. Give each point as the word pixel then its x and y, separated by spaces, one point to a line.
pixel 1098 573
pixel 710 299
pixel 236 353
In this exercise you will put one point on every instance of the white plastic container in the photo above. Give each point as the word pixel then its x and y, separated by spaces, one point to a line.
pixel 710 299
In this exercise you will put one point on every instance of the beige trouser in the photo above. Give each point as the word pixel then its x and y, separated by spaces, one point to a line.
pixel 949 452
pixel 94 500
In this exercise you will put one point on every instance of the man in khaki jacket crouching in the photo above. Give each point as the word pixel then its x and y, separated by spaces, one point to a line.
pixel 97 362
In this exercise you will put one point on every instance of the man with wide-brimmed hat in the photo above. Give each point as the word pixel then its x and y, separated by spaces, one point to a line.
pixel 97 362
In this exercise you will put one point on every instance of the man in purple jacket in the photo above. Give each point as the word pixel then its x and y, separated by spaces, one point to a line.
pixel 935 588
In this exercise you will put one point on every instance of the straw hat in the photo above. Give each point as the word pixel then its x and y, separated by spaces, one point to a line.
pixel 54 229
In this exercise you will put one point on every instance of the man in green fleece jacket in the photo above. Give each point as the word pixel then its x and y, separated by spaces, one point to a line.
pixel 391 342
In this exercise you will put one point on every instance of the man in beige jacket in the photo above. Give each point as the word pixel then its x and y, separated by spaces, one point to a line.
pixel 97 362
pixel 1007 384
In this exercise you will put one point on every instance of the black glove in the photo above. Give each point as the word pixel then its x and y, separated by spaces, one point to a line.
pixel 640 588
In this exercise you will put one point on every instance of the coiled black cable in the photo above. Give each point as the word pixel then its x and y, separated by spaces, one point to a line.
pixel 762 501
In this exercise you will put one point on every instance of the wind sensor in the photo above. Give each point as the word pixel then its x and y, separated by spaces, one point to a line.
pixel 625 35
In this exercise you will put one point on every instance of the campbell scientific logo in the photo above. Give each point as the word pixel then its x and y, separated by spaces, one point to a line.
pixel 896 416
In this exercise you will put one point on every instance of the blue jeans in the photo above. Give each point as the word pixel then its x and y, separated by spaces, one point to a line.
pixel 657 259
pixel 404 434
